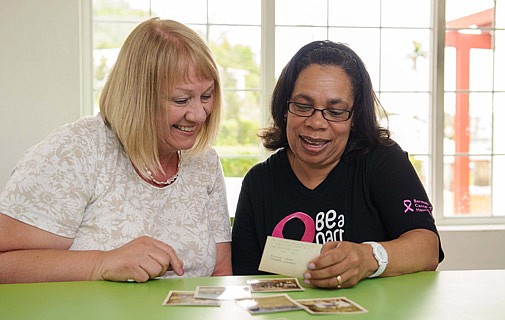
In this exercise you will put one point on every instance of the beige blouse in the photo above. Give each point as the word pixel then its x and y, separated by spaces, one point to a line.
pixel 79 183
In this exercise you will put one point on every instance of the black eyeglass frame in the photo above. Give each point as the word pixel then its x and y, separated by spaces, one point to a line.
pixel 323 111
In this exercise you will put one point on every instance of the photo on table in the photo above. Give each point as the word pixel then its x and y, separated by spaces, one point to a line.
pixel 331 305
pixel 187 298
pixel 223 292
pixel 275 285
pixel 269 304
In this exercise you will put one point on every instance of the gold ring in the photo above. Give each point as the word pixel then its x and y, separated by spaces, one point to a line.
pixel 339 281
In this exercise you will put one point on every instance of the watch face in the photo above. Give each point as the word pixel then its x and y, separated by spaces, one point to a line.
pixel 381 252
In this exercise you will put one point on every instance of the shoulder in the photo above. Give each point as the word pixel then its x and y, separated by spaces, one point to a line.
pixel 271 167
pixel 206 162
pixel 388 160
pixel 208 155
pixel 388 151
pixel 68 138
pixel 272 163
pixel 84 129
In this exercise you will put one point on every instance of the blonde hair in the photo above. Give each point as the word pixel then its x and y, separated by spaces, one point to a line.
pixel 156 55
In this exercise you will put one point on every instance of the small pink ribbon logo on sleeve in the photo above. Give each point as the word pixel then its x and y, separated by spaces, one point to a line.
pixel 408 206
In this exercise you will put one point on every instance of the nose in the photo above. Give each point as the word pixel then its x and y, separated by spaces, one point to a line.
pixel 316 120
pixel 197 113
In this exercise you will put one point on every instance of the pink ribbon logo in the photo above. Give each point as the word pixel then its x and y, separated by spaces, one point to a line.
pixel 408 206
pixel 310 230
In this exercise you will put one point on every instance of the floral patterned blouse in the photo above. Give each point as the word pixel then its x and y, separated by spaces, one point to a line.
pixel 79 183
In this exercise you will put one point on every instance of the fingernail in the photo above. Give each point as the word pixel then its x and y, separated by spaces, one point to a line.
pixel 181 271
pixel 306 281
pixel 311 266
pixel 306 276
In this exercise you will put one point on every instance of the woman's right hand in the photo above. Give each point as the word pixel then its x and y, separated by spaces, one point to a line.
pixel 139 260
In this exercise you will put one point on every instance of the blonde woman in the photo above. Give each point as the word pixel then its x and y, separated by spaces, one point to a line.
pixel 136 192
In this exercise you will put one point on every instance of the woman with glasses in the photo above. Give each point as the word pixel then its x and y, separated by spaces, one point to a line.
pixel 335 178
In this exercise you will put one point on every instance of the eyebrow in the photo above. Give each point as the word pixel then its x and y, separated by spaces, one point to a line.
pixel 328 102
pixel 211 87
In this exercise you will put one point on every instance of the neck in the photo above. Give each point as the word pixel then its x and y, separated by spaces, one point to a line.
pixel 170 164
pixel 309 176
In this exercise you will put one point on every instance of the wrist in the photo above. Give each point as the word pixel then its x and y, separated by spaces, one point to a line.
pixel 97 266
pixel 380 256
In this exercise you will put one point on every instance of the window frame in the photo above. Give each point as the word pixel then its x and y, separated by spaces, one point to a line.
pixel 267 83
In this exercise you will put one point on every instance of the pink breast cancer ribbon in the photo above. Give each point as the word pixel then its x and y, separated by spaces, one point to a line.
pixel 408 206
pixel 310 230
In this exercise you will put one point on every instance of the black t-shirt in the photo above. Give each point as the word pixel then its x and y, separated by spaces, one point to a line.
pixel 375 198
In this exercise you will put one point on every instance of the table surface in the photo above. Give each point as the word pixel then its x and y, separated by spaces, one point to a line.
pixel 478 294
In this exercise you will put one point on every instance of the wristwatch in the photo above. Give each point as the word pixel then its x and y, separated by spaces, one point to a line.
pixel 380 254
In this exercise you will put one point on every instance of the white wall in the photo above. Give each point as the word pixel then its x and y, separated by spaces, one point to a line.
pixel 41 86
pixel 473 247
pixel 40 73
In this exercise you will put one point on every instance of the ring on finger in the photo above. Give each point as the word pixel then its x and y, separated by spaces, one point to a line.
pixel 339 281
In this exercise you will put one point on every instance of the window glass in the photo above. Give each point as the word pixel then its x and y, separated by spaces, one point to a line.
pixel 480 126
pixel 235 12
pixel 467 186
pixel 117 11
pixel 289 39
pixel 422 166
pixel 366 43
pixel 450 69
pixel 471 143
pixel 408 115
pixel 500 13
pixel 481 69
pixel 498 185
pixel 405 60
pixel 190 11
pixel 499 59
pixel 401 13
pixel 237 51
pixel 499 123
pixel 356 13
pixel 301 13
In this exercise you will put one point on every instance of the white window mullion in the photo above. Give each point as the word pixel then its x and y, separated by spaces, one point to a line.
pixel 437 107
pixel 267 57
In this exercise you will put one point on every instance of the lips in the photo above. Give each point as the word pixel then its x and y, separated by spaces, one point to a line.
pixel 313 144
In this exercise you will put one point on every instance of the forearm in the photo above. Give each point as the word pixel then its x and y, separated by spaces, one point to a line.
pixel 47 265
pixel 415 250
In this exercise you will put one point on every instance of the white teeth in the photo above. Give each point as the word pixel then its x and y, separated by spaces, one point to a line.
pixel 187 129
pixel 314 143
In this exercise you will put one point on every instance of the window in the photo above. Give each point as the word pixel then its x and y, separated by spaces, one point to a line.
pixel 474 107
pixel 434 65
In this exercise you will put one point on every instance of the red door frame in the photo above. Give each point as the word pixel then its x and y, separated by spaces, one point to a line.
pixel 463 43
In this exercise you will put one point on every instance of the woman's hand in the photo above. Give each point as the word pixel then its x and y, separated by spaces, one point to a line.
pixel 340 265
pixel 343 264
pixel 139 260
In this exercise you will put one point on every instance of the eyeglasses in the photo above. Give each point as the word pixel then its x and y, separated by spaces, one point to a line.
pixel 307 110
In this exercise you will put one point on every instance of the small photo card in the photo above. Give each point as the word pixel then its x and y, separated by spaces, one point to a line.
pixel 275 285
pixel 223 292
pixel 187 298
pixel 336 305
pixel 269 304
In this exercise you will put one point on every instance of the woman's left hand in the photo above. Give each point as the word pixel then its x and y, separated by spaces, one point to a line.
pixel 340 265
